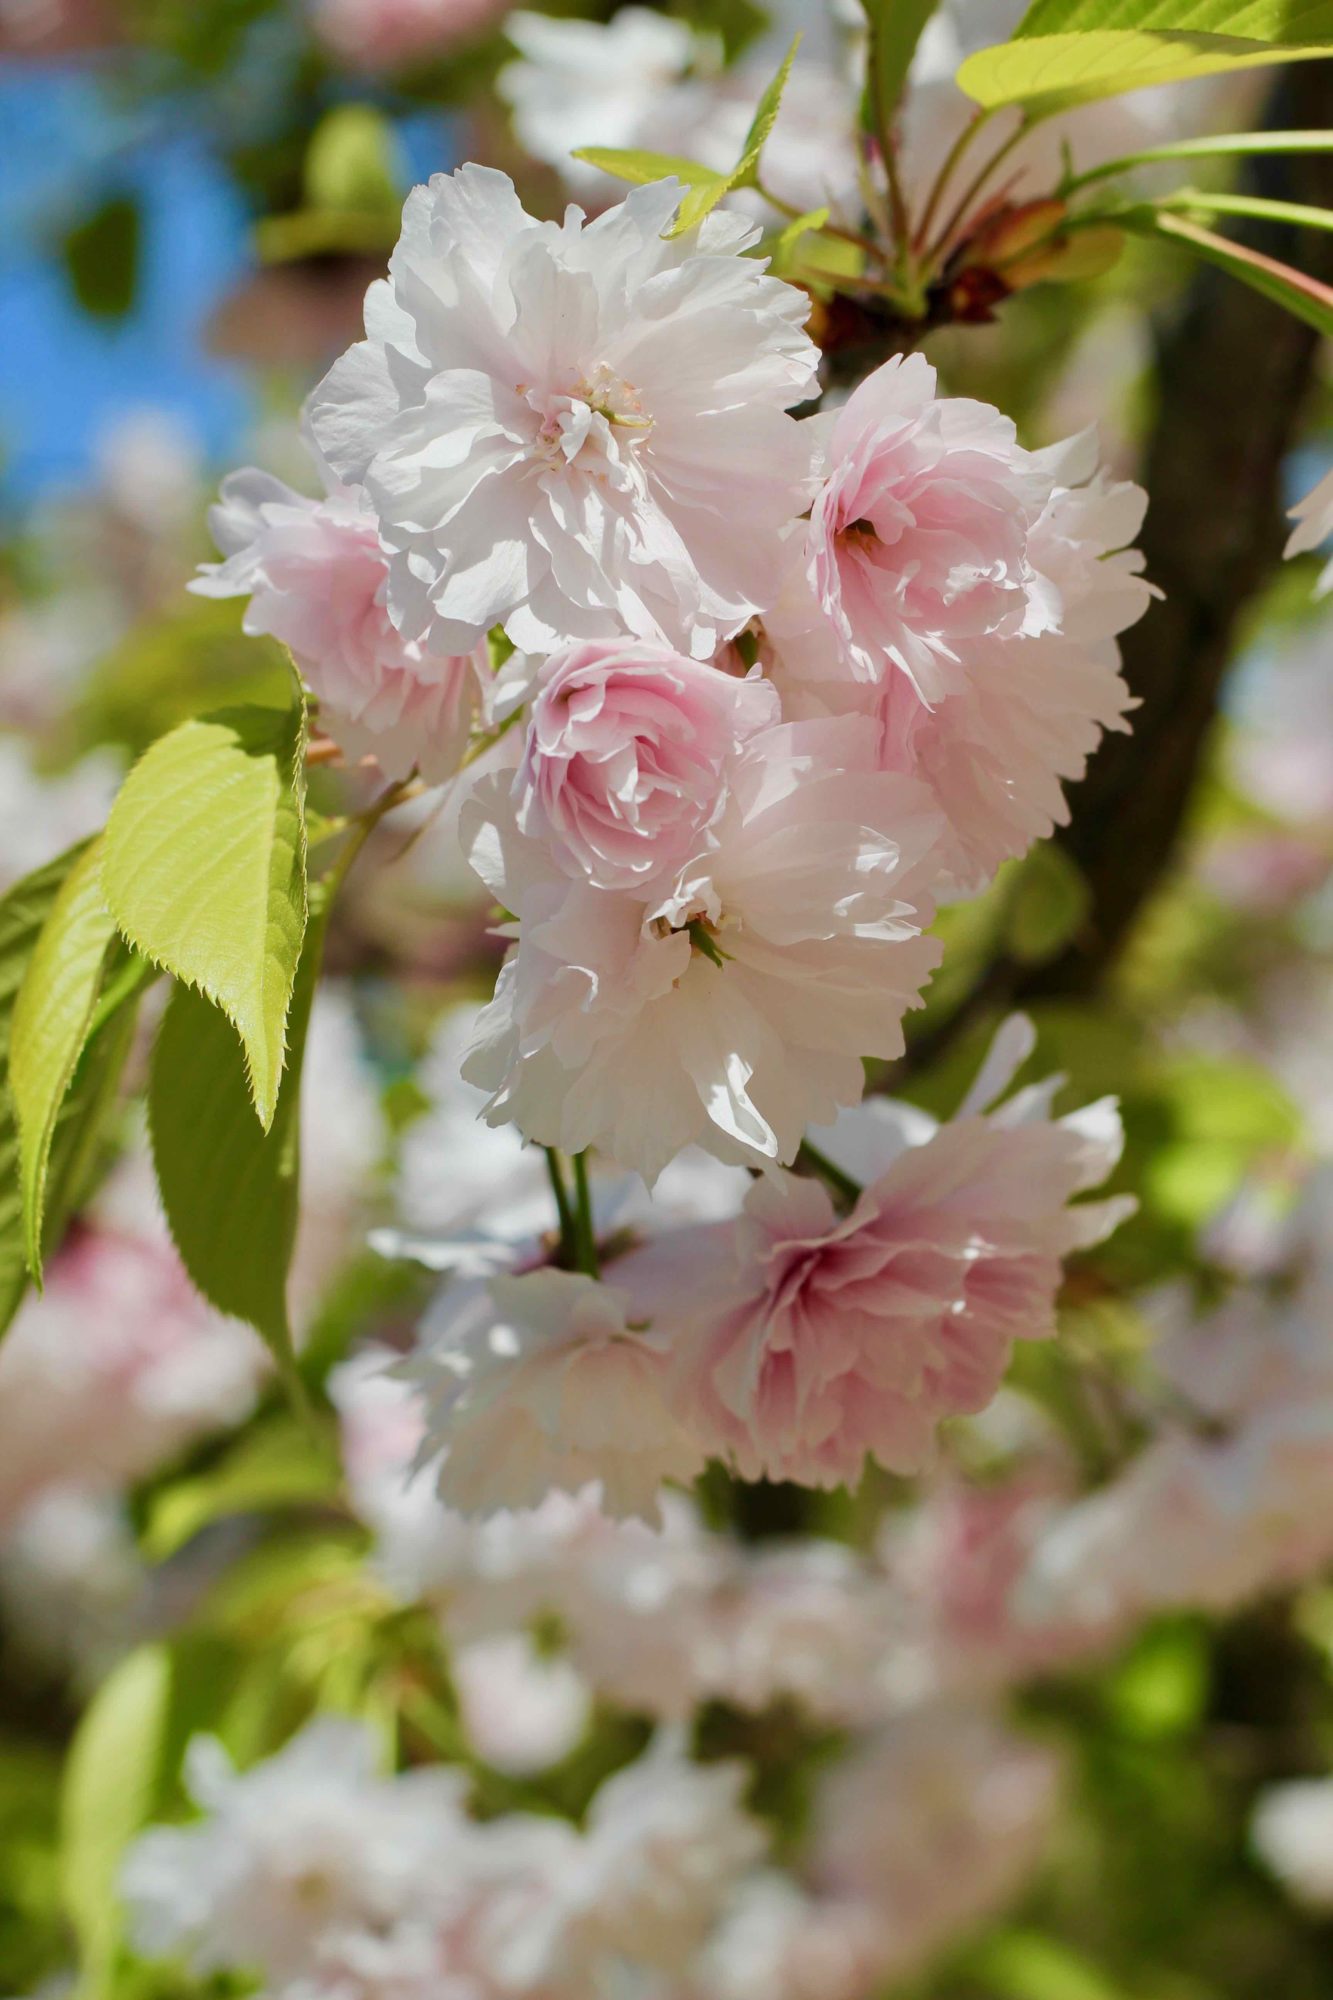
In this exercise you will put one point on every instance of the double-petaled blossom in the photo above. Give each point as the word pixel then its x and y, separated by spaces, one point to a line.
pixel 573 430
pixel 918 541
pixel 540 1381
pixel 316 577
pixel 837 1337
pixel 627 748
pixel 733 1009
pixel 966 595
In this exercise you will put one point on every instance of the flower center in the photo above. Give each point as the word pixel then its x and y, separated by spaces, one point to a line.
pixel 598 424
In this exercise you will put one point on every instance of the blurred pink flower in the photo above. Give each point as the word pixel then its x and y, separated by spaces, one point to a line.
pixel 377 35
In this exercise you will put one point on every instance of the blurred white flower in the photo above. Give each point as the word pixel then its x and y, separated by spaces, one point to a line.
pixel 1292 1831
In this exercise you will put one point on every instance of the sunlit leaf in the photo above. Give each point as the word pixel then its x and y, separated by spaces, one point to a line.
pixel 1074 51
pixel 204 871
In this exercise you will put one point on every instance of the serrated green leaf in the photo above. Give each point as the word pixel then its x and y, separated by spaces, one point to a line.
pixel 203 869
pixel 1306 298
pixel 112 1780
pixel 746 171
pixel 704 187
pixel 895 29
pixel 1075 51
pixel 23 911
pixel 229 1188
pixel 53 1014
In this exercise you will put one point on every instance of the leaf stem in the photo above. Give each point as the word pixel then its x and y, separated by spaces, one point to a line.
pixel 953 160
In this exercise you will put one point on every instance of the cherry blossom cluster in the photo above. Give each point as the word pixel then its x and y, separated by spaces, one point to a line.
pixel 334 1881
pixel 744 694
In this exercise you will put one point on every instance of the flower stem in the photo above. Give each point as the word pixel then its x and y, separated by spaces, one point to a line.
pixel 820 1164
pixel 585 1236
pixel 568 1232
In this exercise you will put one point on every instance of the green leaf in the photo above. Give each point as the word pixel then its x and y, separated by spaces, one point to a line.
pixel 746 171
pixel 204 871
pixel 112 1781
pixel 229 1188
pixel 895 29
pixel 53 1014
pixel 639 167
pixel 704 187
pixel 1306 298
pixel 23 912
pixel 1074 51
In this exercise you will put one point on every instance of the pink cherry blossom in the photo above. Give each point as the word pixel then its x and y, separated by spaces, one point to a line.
pixel 842 1336
pixel 918 541
pixel 626 752
pixel 734 1010
pixel 117 1366
pixel 315 575
pixel 538 1382
pixel 997 722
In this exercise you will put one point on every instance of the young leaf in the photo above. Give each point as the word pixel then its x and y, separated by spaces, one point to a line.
pixel 704 187
pixel 204 871
pixel 229 1188
pixel 895 29
pixel 23 912
pixel 53 1014
pixel 113 1779
pixel 639 167
pixel 746 171
pixel 1306 298
pixel 1074 51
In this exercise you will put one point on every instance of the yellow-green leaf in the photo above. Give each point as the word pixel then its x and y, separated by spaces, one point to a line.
pixel 1074 51
pixel 53 1014
pixel 204 871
